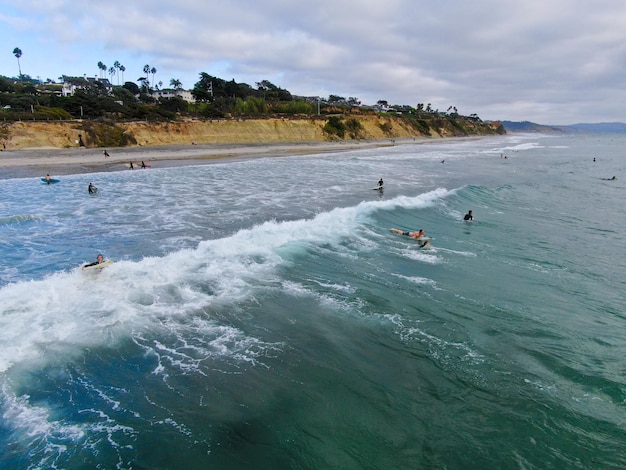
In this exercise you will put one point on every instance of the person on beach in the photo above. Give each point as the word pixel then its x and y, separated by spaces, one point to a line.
pixel 143 165
pixel 106 154
pixel 468 216
pixel 380 183
pixel 99 260
pixel 131 167
pixel 91 188
pixel 413 234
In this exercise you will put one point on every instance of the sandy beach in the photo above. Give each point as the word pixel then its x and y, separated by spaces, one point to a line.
pixel 40 161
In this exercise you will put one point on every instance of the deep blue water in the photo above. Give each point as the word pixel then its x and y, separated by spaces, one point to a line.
pixel 260 314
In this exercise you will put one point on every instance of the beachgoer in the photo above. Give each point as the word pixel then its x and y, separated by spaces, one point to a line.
pixel 143 165
pixel 408 233
pixel 468 216
pixel 99 260
pixel 47 178
pixel 91 188
pixel 380 183
pixel 106 154
pixel 131 167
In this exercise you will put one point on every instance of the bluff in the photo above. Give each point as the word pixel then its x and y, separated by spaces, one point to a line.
pixel 66 134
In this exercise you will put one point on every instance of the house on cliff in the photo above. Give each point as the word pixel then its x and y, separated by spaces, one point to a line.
pixel 72 84
pixel 168 93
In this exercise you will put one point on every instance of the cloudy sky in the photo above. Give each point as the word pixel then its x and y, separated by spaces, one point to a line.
pixel 546 61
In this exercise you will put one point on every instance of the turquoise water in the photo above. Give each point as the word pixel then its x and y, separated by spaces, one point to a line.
pixel 260 314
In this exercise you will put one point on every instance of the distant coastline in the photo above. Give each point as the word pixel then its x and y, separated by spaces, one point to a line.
pixel 597 128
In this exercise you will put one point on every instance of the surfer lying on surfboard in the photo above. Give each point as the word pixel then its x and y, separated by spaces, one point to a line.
pixel 99 260
pixel 407 233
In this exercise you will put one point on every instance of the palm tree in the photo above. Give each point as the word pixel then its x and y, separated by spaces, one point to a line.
pixel 17 52
pixel 112 72
pixel 122 69
pixel 103 68
pixel 176 84
pixel 146 70
pixel 153 72
pixel 117 67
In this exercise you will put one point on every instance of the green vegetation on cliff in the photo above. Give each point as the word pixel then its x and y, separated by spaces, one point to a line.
pixel 103 112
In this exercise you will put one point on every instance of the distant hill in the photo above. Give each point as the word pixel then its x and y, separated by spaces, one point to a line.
pixel 527 126
pixel 595 128
pixel 601 127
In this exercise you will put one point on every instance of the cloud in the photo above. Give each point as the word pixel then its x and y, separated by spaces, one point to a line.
pixel 553 62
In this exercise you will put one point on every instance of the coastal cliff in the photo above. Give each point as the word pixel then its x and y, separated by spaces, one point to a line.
pixel 93 134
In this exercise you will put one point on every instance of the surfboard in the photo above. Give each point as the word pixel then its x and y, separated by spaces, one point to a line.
pixel 98 266
pixel 51 181
pixel 380 188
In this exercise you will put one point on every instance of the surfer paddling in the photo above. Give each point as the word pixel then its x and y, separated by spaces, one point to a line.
pixel 99 260
pixel 413 234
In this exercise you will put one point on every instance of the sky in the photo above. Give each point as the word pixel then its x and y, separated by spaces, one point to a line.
pixel 545 61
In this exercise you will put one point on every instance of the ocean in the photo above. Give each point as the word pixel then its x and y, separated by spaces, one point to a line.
pixel 259 313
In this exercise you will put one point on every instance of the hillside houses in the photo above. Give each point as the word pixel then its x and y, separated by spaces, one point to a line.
pixel 170 93
pixel 71 84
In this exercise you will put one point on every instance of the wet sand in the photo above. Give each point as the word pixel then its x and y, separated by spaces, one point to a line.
pixel 56 162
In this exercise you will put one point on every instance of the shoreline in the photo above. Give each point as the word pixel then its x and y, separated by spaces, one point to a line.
pixel 36 162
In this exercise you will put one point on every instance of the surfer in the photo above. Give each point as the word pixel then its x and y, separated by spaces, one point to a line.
pixel 91 188
pixel 413 234
pixel 380 183
pixel 468 216
pixel 131 167
pixel 143 165
pixel 47 178
pixel 99 260
pixel 426 244
pixel 106 154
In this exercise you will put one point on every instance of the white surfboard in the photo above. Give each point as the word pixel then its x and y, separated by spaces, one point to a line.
pixel 98 266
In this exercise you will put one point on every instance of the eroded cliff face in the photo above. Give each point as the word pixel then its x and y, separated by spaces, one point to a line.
pixel 66 134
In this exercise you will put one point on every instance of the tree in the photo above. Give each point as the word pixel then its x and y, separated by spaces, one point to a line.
pixel 176 84
pixel 17 52
pixel 145 85
pixel 146 70
pixel 122 69
pixel 153 71
pixel 111 72
pixel 132 87
pixel 103 69
pixel 117 68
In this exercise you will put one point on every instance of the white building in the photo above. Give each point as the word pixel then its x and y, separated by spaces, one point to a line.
pixel 71 84
pixel 170 93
